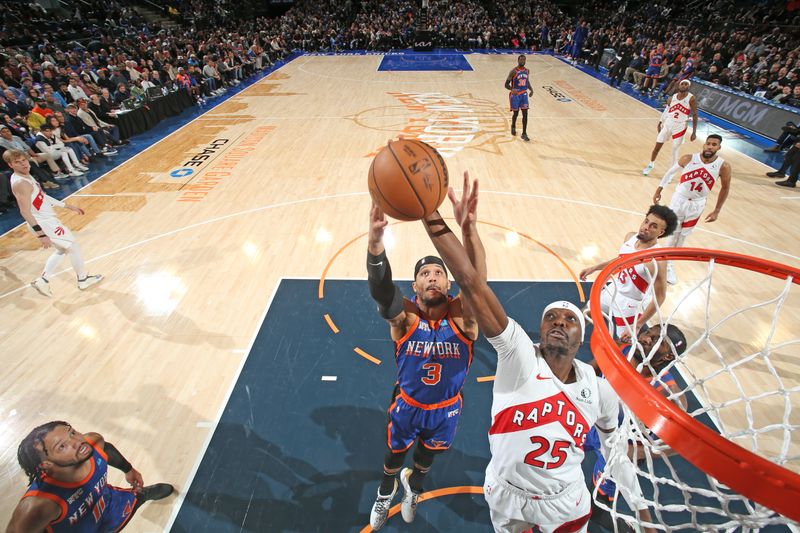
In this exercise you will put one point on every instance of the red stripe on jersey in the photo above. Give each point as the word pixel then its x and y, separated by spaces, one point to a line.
pixel 37 202
pixel 556 408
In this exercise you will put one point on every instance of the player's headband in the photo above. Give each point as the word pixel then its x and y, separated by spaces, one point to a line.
pixel 428 260
pixel 685 82
pixel 563 304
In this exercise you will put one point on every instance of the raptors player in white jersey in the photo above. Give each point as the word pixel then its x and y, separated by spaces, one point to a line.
pixel 673 123
pixel 698 175
pixel 544 400
pixel 624 296
pixel 36 208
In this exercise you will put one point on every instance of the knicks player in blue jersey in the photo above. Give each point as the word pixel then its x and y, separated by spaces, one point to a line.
pixel 673 344
pixel 433 334
pixel 519 85
pixel 69 490
pixel 653 72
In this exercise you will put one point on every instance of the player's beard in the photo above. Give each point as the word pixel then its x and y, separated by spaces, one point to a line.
pixel 708 155
pixel 433 301
pixel 554 350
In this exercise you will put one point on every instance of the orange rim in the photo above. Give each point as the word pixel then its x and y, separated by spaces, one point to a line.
pixel 743 471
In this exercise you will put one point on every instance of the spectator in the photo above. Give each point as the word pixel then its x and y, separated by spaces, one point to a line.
pixel 8 141
pixel 46 143
pixel 93 121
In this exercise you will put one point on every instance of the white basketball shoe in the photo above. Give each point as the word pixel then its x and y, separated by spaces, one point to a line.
pixel 649 168
pixel 42 286
pixel 380 509
pixel 408 506
pixel 88 281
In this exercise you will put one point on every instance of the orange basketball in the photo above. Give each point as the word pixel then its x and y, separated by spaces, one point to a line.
pixel 408 179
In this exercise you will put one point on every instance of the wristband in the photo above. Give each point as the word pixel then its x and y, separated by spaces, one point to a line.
pixel 41 236
pixel 36 227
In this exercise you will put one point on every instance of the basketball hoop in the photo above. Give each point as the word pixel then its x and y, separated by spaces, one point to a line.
pixel 741 480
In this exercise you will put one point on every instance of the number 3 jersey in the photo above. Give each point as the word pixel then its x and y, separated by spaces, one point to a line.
pixel 433 359
pixel 539 424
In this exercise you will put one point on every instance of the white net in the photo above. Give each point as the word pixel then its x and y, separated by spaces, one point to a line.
pixel 739 375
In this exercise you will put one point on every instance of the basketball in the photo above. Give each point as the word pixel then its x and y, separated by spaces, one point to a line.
pixel 408 179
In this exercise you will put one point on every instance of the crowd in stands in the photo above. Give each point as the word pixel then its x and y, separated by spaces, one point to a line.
pixel 73 70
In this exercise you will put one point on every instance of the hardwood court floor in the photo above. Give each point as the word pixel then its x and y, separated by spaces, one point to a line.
pixel 191 259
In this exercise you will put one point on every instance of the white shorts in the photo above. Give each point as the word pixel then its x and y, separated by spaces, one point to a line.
pixel 688 212
pixel 60 235
pixel 623 310
pixel 514 510
pixel 667 132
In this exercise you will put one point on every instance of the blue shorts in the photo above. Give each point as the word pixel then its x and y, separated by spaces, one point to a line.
pixel 518 101
pixel 652 72
pixel 435 427
pixel 119 510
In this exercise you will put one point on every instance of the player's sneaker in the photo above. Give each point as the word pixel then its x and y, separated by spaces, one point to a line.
pixel 380 509
pixel 649 168
pixel 42 286
pixel 514 131
pixel 672 279
pixel 408 506
pixel 525 137
pixel 159 491
pixel 88 281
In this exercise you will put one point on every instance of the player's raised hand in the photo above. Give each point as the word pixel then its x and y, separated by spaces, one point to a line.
pixel 377 223
pixel 465 209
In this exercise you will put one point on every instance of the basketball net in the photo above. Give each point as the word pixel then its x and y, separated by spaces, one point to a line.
pixel 731 459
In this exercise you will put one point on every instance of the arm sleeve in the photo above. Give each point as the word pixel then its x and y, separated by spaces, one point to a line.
pixel 516 357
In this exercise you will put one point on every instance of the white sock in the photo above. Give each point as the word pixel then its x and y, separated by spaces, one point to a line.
pixel 52 264
pixel 76 258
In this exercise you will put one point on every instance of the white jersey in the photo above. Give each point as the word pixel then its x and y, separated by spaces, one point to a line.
pixel 632 282
pixel 41 204
pixel 676 114
pixel 698 178
pixel 539 424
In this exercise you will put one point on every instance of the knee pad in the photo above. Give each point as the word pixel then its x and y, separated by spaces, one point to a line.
pixel 423 456
pixel 393 461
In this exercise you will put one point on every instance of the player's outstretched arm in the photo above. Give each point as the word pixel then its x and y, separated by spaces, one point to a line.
pixel 391 304
pixel 465 210
pixel 693 106
pixel 488 311
pixel 660 292
pixel 665 181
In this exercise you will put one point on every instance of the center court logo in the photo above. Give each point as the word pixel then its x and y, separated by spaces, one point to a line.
pixel 448 123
